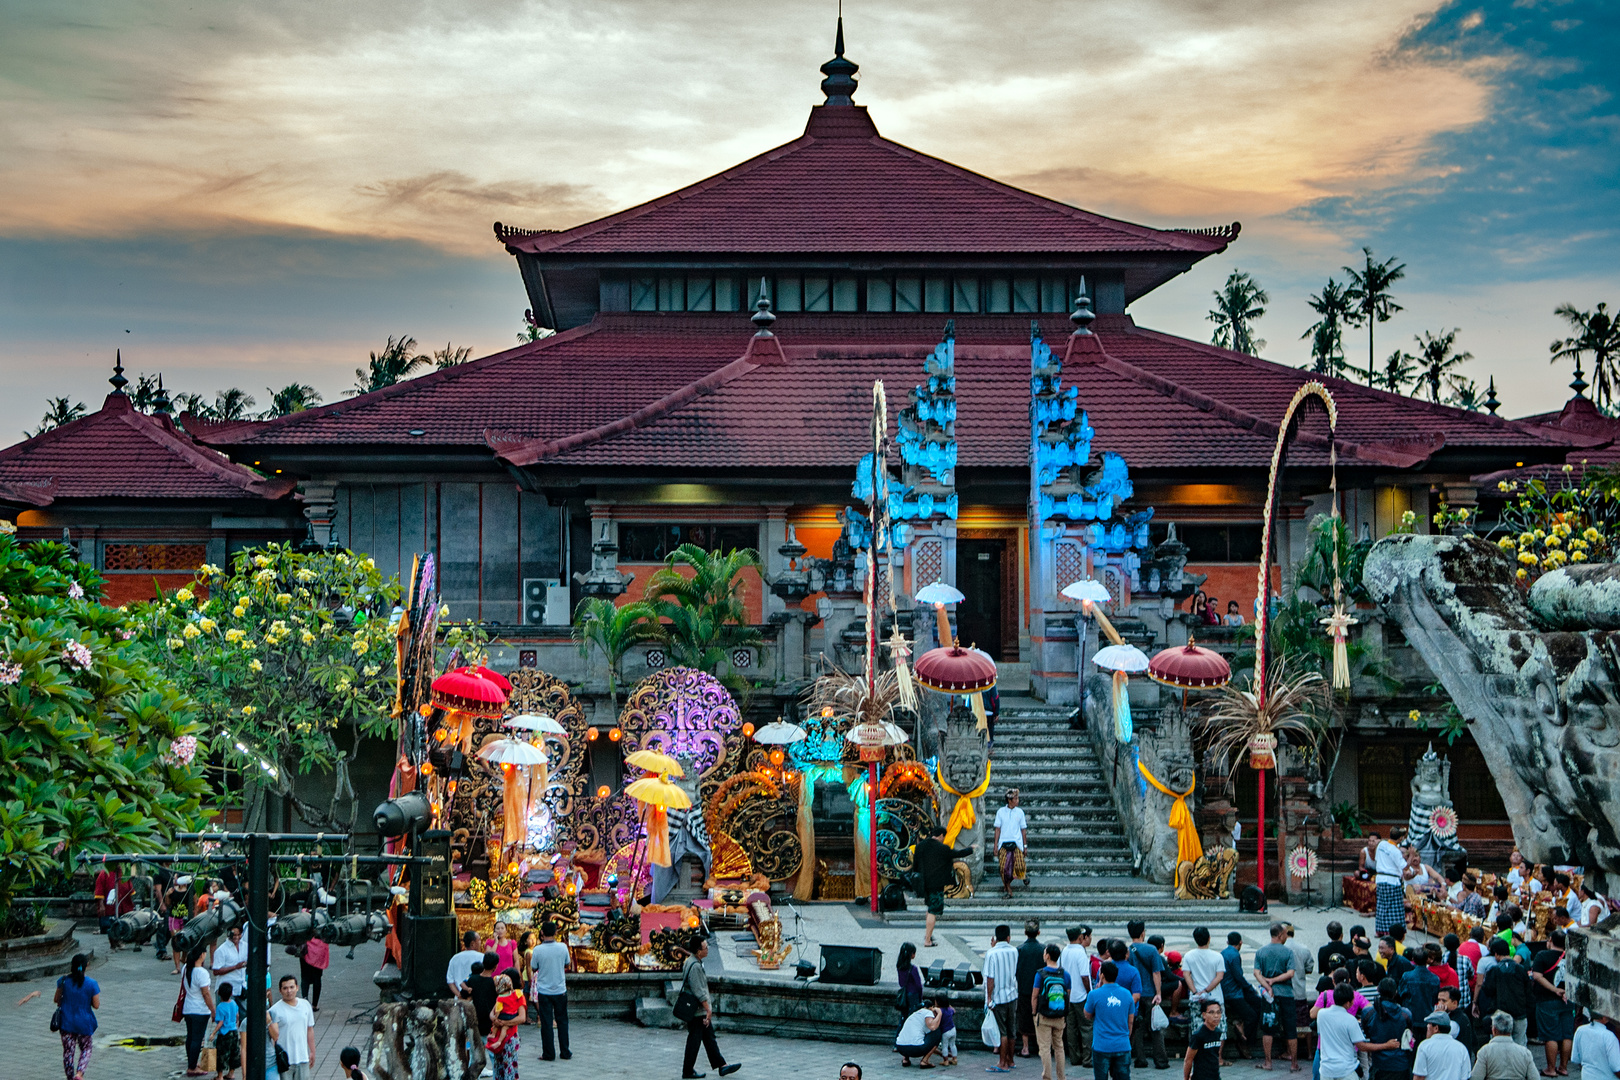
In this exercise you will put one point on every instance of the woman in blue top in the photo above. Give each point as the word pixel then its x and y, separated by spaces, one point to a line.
pixel 79 998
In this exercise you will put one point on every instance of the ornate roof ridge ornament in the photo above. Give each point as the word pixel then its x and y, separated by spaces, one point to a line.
pixel 763 317
pixel 118 381
pixel 1082 316
pixel 839 85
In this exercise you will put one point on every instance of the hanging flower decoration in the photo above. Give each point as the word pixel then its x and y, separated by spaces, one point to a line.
pixel 1301 861
pixel 77 654
pixel 1443 822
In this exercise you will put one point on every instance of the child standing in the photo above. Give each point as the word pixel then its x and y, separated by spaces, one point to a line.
pixel 227 1044
pixel 947 1027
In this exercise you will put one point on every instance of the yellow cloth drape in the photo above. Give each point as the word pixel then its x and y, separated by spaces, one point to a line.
pixel 1188 847
pixel 514 806
pixel 962 815
pixel 657 819
pixel 980 717
pixel 804 887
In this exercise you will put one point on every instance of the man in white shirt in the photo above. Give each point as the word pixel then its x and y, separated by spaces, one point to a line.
pixel 1515 874
pixel 1001 990
pixel 1596 1052
pixel 1391 877
pixel 1012 838
pixel 461 965
pixel 230 963
pixel 1339 1036
pixel 1076 960
pixel 295 1030
pixel 1440 1057
pixel 1205 969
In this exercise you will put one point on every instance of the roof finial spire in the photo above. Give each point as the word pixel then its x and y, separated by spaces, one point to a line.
pixel 1082 316
pixel 839 85
pixel 763 317
pixel 161 406
pixel 118 381
pixel 1491 401
pixel 1579 383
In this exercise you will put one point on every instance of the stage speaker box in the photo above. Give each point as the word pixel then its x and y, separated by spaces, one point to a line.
pixel 428 943
pixel 431 884
pixel 855 965
pixel 1252 900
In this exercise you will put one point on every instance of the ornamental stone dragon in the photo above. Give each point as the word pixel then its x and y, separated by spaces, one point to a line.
pixel 1537 678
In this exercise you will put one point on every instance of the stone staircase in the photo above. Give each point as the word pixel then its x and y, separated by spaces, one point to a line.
pixel 1080 862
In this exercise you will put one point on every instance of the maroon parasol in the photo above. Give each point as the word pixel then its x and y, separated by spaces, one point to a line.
pixel 493 676
pixel 470 690
pixel 1189 668
pixel 955 670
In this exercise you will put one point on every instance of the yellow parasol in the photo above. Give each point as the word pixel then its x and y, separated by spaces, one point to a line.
pixel 658 795
pixel 655 762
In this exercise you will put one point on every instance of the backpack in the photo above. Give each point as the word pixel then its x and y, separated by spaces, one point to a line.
pixel 1053 1000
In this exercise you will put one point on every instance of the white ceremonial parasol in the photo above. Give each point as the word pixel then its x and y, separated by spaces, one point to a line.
pixel 512 752
pixel 536 722
pixel 780 733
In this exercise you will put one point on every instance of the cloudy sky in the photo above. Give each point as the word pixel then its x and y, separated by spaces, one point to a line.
pixel 256 194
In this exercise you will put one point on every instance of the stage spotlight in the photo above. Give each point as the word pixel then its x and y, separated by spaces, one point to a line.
pixel 210 925
pixel 136 928
pixel 356 929
pixel 295 929
pixel 402 816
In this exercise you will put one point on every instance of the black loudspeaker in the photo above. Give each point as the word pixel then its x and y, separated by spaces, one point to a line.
pixel 893 897
pixel 855 965
pixel 1252 901
pixel 428 943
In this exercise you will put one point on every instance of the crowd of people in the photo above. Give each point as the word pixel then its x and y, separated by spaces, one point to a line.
pixel 1461 1009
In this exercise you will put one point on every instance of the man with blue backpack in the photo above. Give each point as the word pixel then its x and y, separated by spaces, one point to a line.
pixel 1049 1002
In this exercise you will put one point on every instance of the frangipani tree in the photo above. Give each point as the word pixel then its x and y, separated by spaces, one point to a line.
pixel 98 749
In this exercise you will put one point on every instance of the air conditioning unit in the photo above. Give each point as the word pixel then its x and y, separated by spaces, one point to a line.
pixel 545 602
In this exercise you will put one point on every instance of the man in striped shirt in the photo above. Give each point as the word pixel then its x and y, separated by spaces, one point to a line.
pixel 1001 992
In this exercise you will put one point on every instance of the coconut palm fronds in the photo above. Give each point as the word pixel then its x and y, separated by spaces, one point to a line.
pixel 852 696
pixel 1295 710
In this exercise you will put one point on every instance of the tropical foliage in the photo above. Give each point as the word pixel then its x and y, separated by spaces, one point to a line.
pixel 1400 371
pixel 451 355
pixel 285 652
pixel 1326 335
pixel 1438 357
pixel 1596 335
pixel 397 362
pixel 613 631
pixel 58 411
pixel 292 398
pixel 1550 523
pixel 1295 710
pixel 701 598
pixel 97 748
pixel 1238 305
pixel 1371 298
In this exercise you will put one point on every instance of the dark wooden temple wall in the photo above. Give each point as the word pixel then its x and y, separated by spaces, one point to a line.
pixel 486 537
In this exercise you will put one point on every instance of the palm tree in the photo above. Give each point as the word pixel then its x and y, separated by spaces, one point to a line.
pixel 195 404
pixel 1596 332
pixel 398 361
pixel 144 396
pixel 701 595
pixel 614 631
pixel 57 412
pixel 231 404
pixel 1399 370
pixel 1438 358
pixel 1327 333
pixel 292 398
pixel 450 356
pixel 1464 393
pixel 1371 299
pixel 1238 304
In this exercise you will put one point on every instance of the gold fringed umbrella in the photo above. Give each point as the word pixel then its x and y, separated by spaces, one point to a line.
pixel 655 762
pixel 519 761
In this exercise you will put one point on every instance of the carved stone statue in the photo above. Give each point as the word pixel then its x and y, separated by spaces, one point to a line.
pixel 964 757
pixel 1431 791
pixel 1538 688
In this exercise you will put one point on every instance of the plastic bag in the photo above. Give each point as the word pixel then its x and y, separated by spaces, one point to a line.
pixel 990 1033
pixel 1159 1021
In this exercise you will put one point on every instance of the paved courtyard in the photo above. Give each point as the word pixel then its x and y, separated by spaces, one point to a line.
pixel 138 993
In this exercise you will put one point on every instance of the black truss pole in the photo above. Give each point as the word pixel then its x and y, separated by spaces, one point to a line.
pixel 258 942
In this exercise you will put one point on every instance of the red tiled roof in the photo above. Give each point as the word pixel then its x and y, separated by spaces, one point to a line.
pixel 118 453
pixel 549 388
pixel 841 188
pixel 1599 444
pixel 31 493
pixel 1159 400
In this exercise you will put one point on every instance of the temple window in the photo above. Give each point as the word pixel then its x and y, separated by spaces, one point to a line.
pixel 1477 796
pixel 788 294
pixel 998 295
pixel 817 294
pixel 1227 543
pixel 1385 779
pixel 671 294
pixel 936 294
pixel 908 294
pixel 649 542
pixel 879 294
pixel 1026 295
pixel 644 294
pixel 821 291
pixel 699 294
pixel 966 297
pixel 846 294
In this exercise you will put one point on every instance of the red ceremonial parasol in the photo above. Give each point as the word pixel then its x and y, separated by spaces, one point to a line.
pixel 955 670
pixel 493 676
pixel 1189 668
pixel 472 691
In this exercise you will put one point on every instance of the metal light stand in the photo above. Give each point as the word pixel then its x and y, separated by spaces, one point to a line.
pixel 258 860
